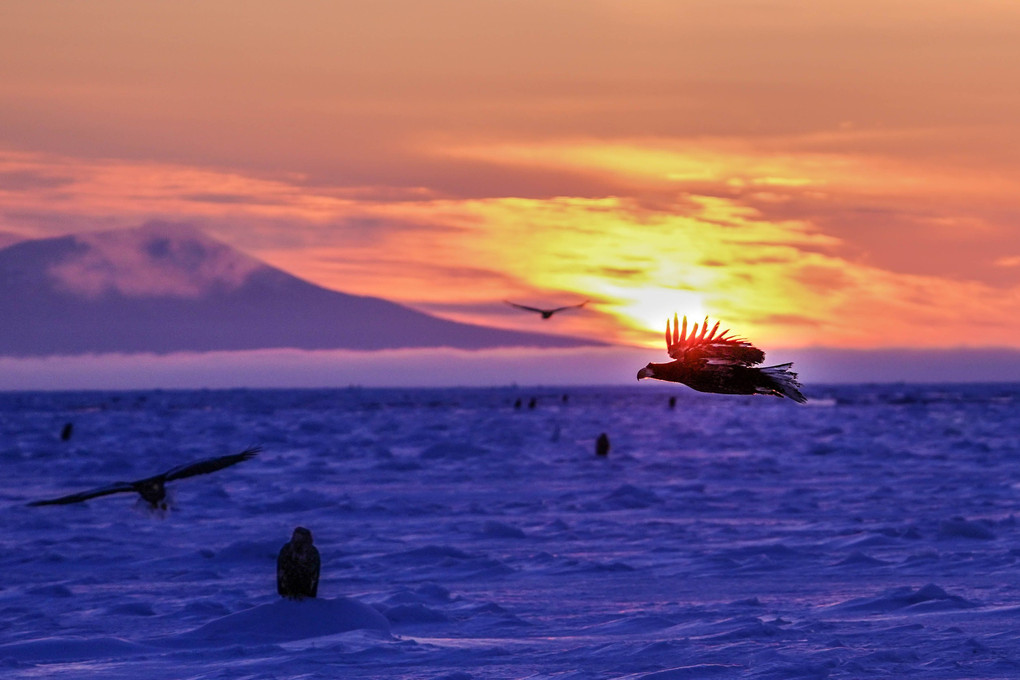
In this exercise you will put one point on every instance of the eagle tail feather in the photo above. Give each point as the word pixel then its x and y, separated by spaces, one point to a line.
pixel 783 381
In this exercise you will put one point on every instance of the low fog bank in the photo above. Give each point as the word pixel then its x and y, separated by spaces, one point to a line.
pixel 449 368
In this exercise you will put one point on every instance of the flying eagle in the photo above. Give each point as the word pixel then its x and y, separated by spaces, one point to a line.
pixel 546 313
pixel 153 489
pixel 711 362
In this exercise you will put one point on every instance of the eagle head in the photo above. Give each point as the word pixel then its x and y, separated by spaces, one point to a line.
pixel 646 372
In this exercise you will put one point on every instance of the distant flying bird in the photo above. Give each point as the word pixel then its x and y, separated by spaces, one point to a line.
pixel 153 489
pixel 297 566
pixel 546 313
pixel 708 362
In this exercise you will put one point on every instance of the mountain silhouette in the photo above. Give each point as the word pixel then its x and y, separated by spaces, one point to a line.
pixel 165 288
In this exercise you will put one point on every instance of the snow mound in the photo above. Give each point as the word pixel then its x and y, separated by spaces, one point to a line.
pixel 962 528
pixel 69 649
pixel 927 598
pixel 286 620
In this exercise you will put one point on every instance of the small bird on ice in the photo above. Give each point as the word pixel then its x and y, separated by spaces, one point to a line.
pixel 297 566
pixel 711 362
pixel 153 489
pixel 546 313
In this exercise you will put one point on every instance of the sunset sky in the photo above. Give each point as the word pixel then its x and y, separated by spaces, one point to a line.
pixel 816 174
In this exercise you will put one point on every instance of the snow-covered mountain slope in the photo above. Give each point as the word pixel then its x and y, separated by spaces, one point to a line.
pixel 166 287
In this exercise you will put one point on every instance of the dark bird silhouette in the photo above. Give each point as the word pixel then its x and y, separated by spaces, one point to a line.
pixel 546 313
pixel 711 362
pixel 66 431
pixel 153 489
pixel 297 566
pixel 602 445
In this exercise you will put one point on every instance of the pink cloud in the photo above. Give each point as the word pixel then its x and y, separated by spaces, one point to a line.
pixel 144 262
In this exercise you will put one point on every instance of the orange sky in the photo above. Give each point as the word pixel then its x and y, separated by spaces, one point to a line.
pixel 838 174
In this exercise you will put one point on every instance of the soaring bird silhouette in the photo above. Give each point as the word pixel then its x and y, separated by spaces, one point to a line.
pixel 153 489
pixel 546 313
pixel 711 362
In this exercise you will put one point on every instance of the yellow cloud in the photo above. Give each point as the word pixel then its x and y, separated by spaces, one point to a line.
pixel 781 282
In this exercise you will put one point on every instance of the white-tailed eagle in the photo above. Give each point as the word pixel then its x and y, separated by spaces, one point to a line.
pixel 546 313
pixel 153 489
pixel 297 566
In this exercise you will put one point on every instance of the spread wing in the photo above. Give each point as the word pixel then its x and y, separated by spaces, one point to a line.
pixel 560 309
pixel 116 487
pixel 709 346
pixel 525 307
pixel 208 465
pixel 548 312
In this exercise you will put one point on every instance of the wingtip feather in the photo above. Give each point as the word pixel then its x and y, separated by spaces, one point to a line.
pixel 251 452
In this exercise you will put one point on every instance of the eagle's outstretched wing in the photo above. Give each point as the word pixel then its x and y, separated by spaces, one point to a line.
pixel 525 307
pixel 116 487
pixel 208 465
pixel 708 346
pixel 577 306
pixel 200 467
pixel 546 313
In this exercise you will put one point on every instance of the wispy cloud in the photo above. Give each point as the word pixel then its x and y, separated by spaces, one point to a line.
pixel 1011 261
pixel 145 262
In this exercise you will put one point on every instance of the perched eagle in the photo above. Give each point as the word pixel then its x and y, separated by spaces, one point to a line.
pixel 546 313
pixel 297 566
pixel 153 489
pixel 711 362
